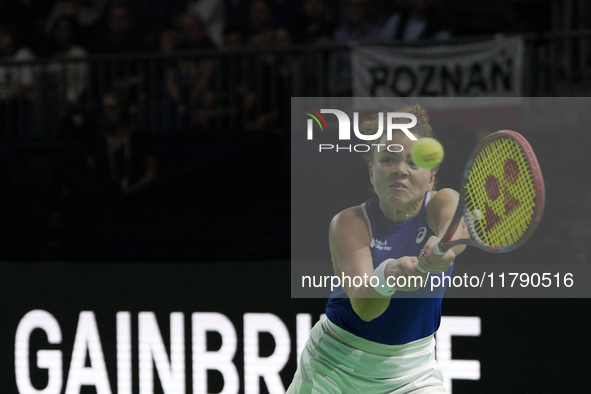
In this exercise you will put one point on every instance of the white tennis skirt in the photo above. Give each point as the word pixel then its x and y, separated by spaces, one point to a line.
pixel 336 361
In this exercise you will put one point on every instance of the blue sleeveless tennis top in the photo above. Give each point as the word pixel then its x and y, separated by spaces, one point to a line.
pixel 406 319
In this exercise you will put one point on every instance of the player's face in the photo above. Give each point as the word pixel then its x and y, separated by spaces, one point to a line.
pixel 397 181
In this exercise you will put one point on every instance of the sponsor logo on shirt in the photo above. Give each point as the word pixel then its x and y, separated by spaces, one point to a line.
pixel 381 245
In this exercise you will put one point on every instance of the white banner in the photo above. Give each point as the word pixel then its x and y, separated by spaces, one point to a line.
pixel 492 68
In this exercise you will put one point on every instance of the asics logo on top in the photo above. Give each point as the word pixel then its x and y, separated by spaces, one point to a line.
pixel 421 234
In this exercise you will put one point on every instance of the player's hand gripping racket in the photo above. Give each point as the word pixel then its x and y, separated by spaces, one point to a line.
pixel 501 197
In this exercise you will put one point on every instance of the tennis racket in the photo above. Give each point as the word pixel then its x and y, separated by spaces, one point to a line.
pixel 502 195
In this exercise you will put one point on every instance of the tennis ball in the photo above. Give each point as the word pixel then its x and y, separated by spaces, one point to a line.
pixel 427 153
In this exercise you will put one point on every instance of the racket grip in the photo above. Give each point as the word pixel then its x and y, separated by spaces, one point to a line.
pixel 418 267
pixel 437 249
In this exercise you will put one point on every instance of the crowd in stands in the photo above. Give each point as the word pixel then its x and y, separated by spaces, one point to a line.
pixel 196 92
pixel 115 26
pixel 113 103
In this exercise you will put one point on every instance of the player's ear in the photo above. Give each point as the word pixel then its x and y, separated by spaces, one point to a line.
pixel 370 173
pixel 431 180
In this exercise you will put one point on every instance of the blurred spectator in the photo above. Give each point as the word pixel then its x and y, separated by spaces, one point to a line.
pixel 187 82
pixel 70 79
pixel 28 18
pixel 152 17
pixel 234 37
pixel 121 160
pixel 422 20
pixel 212 14
pixel 268 101
pixel 316 24
pixel 190 35
pixel 15 81
pixel 119 35
pixel 358 28
pixel 260 21
pixel 316 27
pixel 227 87
pixel 86 13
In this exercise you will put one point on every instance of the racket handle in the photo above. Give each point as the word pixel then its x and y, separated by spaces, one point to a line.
pixel 438 250
pixel 418 267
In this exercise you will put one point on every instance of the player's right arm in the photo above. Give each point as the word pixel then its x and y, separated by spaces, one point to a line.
pixel 349 248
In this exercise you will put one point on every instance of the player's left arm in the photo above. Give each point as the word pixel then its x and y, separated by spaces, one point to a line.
pixel 440 212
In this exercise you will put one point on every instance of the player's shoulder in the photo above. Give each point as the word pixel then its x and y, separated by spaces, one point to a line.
pixel 442 201
pixel 443 196
pixel 348 216
pixel 349 227
pixel 350 220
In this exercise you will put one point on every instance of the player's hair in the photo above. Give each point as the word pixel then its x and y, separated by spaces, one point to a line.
pixel 421 130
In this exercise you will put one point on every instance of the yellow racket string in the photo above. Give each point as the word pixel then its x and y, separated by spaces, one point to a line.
pixel 501 187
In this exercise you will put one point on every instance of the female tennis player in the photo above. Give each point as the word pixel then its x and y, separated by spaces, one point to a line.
pixel 381 339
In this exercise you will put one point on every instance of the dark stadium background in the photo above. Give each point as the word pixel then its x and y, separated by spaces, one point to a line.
pixel 212 233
